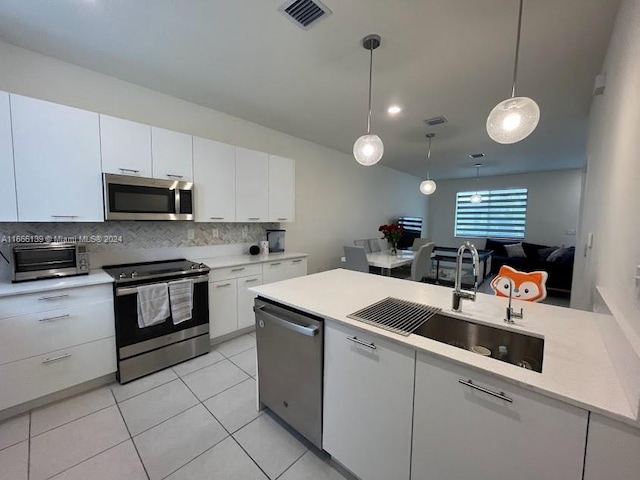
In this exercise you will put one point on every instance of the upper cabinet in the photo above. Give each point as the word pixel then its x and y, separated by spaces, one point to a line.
pixel 281 189
pixel 57 162
pixel 214 168
pixel 8 207
pixel 172 154
pixel 126 147
pixel 252 187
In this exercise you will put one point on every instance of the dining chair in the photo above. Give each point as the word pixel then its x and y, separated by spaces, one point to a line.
pixel 421 264
pixel 374 245
pixel 356 258
pixel 363 243
pixel 418 242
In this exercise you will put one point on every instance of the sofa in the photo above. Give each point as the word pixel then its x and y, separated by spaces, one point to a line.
pixel 556 261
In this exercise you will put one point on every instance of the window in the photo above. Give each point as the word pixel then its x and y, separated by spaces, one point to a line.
pixel 500 214
pixel 412 229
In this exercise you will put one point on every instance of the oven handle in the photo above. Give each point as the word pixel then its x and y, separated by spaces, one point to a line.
pixel 122 291
pixel 309 331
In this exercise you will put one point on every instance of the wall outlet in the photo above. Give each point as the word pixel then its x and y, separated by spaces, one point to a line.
pixel 571 232
pixel 214 233
pixel 191 234
pixel 245 231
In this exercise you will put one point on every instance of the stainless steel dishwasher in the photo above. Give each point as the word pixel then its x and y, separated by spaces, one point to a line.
pixel 290 361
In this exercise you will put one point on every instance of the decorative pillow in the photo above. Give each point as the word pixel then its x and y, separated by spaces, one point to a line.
pixel 567 256
pixel 543 253
pixel 515 251
pixel 497 246
pixel 531 249
pixel 555 256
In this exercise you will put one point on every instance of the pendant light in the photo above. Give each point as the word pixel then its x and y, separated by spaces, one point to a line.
pixel 428 186
pixel 476 197
pixel 515 118
pixel 368 149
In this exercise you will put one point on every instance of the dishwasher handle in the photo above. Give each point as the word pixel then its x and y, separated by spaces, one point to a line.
pixel 309 331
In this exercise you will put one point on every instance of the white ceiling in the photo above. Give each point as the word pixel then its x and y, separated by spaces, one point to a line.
pixel 438 57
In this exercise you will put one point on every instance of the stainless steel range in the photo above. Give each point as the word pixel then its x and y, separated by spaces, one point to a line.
pixel 141 349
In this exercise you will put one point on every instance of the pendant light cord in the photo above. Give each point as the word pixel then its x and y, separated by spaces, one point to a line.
pixel 370 81
pixel 515 65
pixel 428 158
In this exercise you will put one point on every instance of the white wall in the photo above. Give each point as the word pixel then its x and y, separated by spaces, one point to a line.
pixel 337 200
pixel 612 191
pixel 552 207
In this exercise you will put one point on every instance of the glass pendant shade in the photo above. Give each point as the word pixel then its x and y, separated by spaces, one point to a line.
pixel 476 198
pixel 368 149
pixel 427 187
pixel 513 120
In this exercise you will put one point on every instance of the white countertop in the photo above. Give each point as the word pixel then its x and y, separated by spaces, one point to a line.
pixel 577 368
pixel 95 277
pixel 234 261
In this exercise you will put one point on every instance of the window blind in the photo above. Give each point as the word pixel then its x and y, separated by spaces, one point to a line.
pixel 500 214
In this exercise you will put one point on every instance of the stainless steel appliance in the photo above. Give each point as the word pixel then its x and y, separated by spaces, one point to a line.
pixel 137 198
pixel 290 347
pixel 35 261
pixel 142 351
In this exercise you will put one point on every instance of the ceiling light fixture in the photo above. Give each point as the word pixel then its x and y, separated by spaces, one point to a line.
pixel 476 197
pixel 428 186
pixel 515 118
pixel 394 110
pixel 368 149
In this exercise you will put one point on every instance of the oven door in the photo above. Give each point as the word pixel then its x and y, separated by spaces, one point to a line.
pixel 31 262
pixel 132 340
pixel 136 198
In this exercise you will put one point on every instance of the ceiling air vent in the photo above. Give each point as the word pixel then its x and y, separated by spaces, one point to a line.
pixel 304 13
pixel 435 121
pixel 476 155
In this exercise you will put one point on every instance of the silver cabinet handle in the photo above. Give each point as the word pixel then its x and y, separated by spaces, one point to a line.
pixel 55 359
pixel 500 395
pixel 54 297
pixel 354 339
pixel 174 176
pixel 254 218
pixel 297 261
pixel 47 319
pixel 277 263
pixel 223 285
pixel 282 218
pixel 237 269
pixel 309 331
pixel 216 218
pixel 251 280
pixel 64 216
pixel 129 170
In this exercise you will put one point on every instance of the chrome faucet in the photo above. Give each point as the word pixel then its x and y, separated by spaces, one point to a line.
pixel 511 314
pixel 458 293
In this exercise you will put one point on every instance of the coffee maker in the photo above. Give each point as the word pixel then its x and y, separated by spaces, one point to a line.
pixel 276 240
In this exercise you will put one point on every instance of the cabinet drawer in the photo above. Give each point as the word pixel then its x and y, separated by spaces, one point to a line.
pixel 235 272
pixel 297 267
pixel 38 333
pixel 38 376
pixel 53 299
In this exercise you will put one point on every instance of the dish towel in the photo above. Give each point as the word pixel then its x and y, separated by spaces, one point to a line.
pixel 153 304
pixel 181 298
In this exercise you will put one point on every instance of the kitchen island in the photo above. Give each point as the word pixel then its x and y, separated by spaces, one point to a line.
pixel 548 411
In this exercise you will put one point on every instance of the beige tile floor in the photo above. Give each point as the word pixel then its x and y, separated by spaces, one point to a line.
pixel 197 420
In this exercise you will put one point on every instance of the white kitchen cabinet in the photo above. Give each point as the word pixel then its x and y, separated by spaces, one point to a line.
pixel 125 146
pixel 57 162
pixel 246 317
pixel 462 432
pixel 172 155
pixel 612 450
pixel 8 207
pixel 223 307
pixel 252 186
pixel 368 403
pixel 277 270
pixel 214 173
pixel 281 189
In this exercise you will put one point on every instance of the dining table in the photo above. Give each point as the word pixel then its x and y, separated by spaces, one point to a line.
pixel 387 261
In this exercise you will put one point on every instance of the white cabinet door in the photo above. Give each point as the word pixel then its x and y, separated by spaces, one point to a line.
pixel 275 271
pixel 368 403
pixel 172 154
pixel 252 186
pixel 281 189
pixel 612 450
pixel 126 147
pixel 223 307
pixel 246 317
pixel 461 432
pixel 57 162
pixel 214 173
pixel 297 267
pixel 8 208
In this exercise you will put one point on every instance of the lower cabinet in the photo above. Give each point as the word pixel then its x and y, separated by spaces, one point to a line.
pixel 246 317
pixel 491 430
pixel 223 307
pixel 368 403
pixel 612 450
pixel 284 269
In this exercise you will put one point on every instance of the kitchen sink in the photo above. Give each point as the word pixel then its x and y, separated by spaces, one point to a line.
pixel 522 350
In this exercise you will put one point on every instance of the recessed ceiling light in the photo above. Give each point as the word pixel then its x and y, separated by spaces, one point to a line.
pixel 394 109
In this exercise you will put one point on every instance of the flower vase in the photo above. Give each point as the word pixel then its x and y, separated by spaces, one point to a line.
pixel 394 249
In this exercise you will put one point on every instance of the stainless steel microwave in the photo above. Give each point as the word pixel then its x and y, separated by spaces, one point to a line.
pixel 35 261
pixel 139 198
